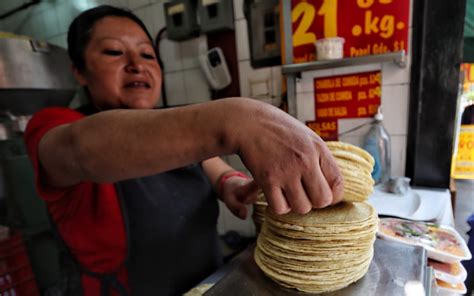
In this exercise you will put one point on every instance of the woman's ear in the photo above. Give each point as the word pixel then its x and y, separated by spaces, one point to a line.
pixel 79 75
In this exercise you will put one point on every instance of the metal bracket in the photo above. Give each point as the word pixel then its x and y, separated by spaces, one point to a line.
pixel 398 57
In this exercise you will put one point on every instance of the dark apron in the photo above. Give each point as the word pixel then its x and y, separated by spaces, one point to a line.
pixel 171 225
pixel 172 232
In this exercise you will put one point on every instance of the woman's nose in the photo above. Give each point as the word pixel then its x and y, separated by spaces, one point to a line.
pixel 134 64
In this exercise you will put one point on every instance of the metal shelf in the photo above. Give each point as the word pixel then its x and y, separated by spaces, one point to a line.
pixel 397 57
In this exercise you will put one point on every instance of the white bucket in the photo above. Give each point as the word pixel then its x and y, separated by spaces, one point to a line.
pixel 330 48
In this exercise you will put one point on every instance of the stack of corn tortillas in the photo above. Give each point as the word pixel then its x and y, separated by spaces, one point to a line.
pixel 356 167
pixel 258 215
pixel 326 249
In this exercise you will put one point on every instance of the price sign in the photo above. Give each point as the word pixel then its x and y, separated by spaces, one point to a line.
pixel 345 96
pixel 368 26
pixel 468 70
pixel 463 165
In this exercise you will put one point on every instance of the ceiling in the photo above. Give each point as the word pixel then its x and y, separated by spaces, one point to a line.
pixel 8 5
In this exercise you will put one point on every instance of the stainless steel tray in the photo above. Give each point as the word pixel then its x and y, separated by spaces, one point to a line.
pixel 393 265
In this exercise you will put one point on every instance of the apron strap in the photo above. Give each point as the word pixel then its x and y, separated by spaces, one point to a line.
pixel 107 281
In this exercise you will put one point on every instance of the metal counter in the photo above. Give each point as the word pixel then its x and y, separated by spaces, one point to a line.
pixel 393 265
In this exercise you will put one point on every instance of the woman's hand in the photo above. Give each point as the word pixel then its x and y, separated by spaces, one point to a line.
pixel 289 161
pixel 237 192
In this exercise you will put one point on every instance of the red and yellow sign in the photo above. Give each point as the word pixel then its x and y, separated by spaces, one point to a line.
pixel 468 82
pixel 463 164
pixel 345 96
pixel 368 26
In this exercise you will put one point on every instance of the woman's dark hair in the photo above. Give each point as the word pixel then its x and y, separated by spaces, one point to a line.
pixel 80 30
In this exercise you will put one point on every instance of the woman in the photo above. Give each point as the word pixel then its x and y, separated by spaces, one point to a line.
pixel 130 188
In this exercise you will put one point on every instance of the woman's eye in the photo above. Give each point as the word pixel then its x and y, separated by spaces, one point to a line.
pixel 148 56
pixel 112 52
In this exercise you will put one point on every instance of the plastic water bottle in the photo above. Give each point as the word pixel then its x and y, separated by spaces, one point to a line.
pixel 377 143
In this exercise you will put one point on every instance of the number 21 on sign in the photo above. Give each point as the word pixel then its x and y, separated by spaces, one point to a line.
pixel 307 13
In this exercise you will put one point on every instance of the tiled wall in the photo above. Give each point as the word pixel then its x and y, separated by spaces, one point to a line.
pixel 185 83
pixel 395 95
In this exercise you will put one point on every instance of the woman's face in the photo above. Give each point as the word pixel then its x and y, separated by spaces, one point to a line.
pixel 121 69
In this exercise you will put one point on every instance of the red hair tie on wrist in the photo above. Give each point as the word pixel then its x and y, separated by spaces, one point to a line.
pixel 230 175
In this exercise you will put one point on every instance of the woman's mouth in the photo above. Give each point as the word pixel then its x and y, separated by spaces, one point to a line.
pixel 137 85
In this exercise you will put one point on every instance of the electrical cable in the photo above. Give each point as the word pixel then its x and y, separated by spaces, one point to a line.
pixel 19 8
pixel 355 128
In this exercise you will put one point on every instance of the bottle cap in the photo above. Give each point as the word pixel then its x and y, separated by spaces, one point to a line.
pixel 379 116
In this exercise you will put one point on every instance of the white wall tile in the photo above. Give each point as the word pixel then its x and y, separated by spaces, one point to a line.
pixel 411 15
pixel 305 107
pixel 16 22
pixel 398 150
pixel 195 84
pixel 146 16
pixel 395 108
pixel 353 139
pixel 170 54
pixel 306 83
pixel 51 22
pixel 221 220
pixel 132 4
pixel 277 80
pixel 7 5
pixel 248 74
pixel 80 5
pixel 5 25
pixel 357 69
pixel 44 5
pixel 393 74
pixel 38 25
pixel 59 40
pixel 242 40
pixel 191 49
pixel 26 27
pixel 235 162
pixel 66 12
pixel 93 3
pixel 243 227
pixel 239 9
pixel 175 91
pixel 410 41
pixel 158 17
pixel 398 145
pixel 116 3
pixel 349 123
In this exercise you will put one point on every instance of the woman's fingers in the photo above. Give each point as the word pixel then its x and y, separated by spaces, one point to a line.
pixel 317 188
pixel 248 193
pixel 276 200
pixel 332 175
pixel 290 162
pixel 237 208
pixel 297 198
pixel 321 185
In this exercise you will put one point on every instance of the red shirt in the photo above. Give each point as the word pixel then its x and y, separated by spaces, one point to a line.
pixel 87 215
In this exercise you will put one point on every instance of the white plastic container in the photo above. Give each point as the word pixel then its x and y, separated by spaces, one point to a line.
pixel 451 273
pixel 446 289
pixel 330 48
pixel 389 226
